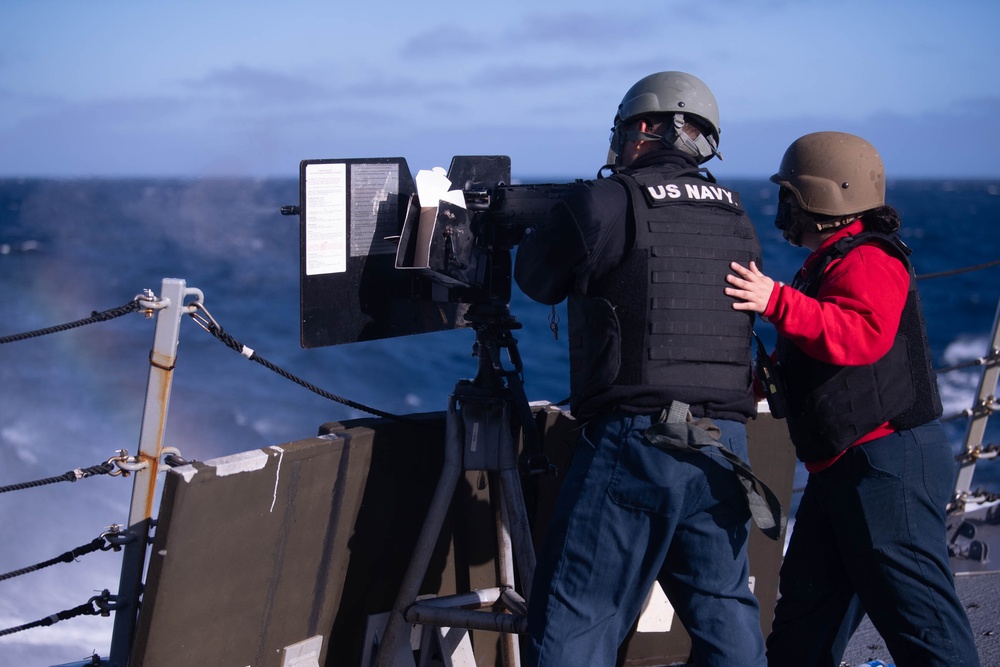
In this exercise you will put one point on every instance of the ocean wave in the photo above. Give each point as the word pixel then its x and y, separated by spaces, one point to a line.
pixel 16 247
pixel 958 387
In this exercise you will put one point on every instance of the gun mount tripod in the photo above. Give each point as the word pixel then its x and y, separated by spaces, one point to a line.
pixel 479 436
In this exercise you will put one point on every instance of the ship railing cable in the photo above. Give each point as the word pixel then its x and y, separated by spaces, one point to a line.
pixel 955 272
pixel 119 465
pixel 988 360
pixel 980 361
pixel 977 496
pixel 139 302
pixel 99 605
pixel 147 302
pixel 985 408
pixel 980 453
pixel 111 539
pixel 104 603
pixel 208 323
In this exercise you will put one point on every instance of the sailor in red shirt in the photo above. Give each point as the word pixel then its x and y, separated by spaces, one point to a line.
pixel 863 412
pixel 854 317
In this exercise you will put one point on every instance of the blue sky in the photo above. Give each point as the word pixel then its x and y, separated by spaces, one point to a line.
pixel 249 88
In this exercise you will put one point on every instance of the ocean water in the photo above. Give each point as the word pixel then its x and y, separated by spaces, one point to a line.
pixel 68 400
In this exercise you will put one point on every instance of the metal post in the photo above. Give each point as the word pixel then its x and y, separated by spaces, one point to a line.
pixel 154 417
pixel 982 407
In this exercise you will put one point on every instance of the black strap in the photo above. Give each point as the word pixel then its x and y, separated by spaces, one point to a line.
pixel 807 283
pixel 769 375
pixel 679 433
pixel 633 212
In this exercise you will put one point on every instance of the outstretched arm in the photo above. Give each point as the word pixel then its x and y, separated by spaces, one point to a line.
pixel 854 316
pixel 751 288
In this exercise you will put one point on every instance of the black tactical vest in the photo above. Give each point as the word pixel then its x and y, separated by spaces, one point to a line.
pixel 659 327
pixel 830 406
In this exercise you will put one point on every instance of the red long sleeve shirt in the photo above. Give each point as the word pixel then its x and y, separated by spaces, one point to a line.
pixel 853 319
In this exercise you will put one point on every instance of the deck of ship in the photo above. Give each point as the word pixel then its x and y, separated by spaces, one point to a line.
pixel 972 536
pixel 980 592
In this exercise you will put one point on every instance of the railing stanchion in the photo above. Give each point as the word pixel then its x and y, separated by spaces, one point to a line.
pixel 162 359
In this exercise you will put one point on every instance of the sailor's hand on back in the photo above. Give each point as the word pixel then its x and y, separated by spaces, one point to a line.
pixel 751 288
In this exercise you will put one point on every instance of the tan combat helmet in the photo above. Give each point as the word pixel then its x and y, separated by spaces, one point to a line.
pixel 833 174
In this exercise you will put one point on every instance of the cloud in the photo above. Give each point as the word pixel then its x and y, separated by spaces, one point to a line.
pixel 579 30
pixel 584 35
pixel 258 84
pixel 247 121
pixel 962 144
pixel 447 39
pixel 986 107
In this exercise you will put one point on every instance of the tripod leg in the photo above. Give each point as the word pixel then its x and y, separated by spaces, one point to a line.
pixel 513 534
pixel 512 501
pixel 520 531
pixel 396 630
pixel 510 646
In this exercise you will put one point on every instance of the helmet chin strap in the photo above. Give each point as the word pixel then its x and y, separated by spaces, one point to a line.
pixel 826 225
pixel 702 148
pixel 793 221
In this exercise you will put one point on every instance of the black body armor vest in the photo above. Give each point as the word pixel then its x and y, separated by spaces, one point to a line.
pixel 830 407
pixel 659 327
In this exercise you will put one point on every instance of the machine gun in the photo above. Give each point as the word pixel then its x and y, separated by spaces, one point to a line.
pixel 375 263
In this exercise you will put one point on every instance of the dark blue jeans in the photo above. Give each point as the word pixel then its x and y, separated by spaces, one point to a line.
pixel 870 536
pixel 628 514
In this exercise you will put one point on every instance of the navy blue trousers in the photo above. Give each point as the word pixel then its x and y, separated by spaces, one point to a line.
pixel 628 514
pixel 869 537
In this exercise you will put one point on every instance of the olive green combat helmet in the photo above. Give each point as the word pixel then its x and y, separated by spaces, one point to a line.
pixel 683 95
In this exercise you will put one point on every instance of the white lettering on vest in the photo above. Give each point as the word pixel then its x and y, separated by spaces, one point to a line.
pixel 661 192
pixel 693 191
